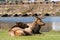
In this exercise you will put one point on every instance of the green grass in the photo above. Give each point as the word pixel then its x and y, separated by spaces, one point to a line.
pixel 52 35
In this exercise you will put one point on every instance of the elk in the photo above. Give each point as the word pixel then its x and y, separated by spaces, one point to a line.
pixel 35 27
pixel 32 28
pixel 18 29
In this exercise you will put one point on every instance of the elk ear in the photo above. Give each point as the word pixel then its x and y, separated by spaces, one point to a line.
pixel 37 17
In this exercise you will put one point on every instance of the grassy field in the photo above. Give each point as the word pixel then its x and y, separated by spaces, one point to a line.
pixel 52 35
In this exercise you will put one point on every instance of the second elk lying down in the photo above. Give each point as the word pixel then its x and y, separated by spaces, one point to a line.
pixel 33 28
pixel 17 29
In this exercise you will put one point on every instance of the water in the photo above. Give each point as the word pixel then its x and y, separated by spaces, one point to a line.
pixel 28 19
pixel 22 19
pixel 55 19
pixel 16 19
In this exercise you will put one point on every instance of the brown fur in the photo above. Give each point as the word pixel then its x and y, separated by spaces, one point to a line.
pixel 21 29
pixel 16 31
pixel 20 25
pixel 36 25
pixel 19 33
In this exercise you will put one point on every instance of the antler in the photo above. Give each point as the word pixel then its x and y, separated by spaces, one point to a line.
pixel 41 17
pixel 42 14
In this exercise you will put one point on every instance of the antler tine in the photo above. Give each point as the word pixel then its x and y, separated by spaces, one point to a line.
pixel 36 16
pixel 42 16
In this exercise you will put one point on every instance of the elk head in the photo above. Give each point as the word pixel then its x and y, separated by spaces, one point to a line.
pixel 39 21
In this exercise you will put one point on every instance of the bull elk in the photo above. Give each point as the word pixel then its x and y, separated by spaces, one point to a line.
pixel 33 28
